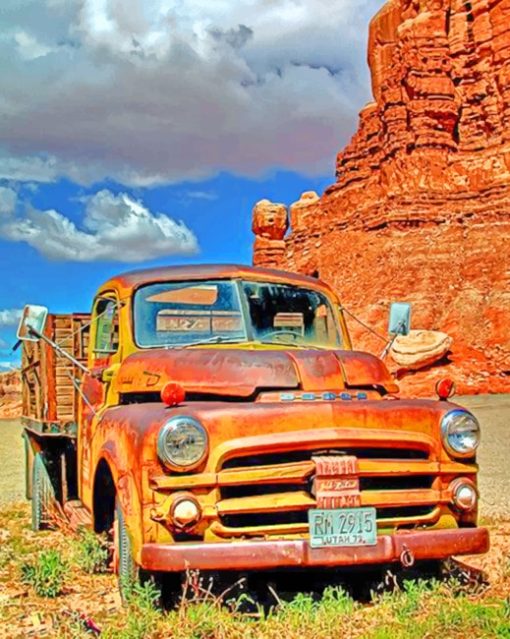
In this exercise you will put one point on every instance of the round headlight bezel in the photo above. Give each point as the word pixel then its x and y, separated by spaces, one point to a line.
pixel 448 423
pixel 170 427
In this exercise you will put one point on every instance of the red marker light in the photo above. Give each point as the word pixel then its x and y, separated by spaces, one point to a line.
pixel 445 388
pixel 173 394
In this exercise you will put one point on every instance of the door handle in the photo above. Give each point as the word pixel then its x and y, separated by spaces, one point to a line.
pixel 109 373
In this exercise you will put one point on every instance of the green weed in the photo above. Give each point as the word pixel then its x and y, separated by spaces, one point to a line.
pixel 47 574
pixel 91 552
pixel 142 616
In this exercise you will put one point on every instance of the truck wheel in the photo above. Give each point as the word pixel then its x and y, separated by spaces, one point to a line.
pixel 128 572
pixel 29 462
pixel 43 494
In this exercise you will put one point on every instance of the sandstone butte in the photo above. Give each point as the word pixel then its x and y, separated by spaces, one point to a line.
pixel 420 210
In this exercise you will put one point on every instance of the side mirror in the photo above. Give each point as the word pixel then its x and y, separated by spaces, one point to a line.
pixel 32 323
pixel 400 319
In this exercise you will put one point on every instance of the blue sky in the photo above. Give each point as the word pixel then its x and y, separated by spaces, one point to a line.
pixel 142 132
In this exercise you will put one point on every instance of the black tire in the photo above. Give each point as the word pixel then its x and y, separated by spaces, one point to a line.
pixel 129 573
pixel 43 495
pixel 29 462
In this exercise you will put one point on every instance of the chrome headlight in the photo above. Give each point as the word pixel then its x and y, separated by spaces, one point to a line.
pixel 461 433
pixel 182 443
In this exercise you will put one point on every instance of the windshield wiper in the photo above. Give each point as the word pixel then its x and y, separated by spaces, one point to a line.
pixel 292 344
pixel 217 339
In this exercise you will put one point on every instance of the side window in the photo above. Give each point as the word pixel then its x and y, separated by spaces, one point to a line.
pixel 107 328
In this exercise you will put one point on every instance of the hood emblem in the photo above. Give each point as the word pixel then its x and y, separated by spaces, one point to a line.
pixel 329 396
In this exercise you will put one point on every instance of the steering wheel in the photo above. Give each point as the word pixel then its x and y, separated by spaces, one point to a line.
pixel 284 332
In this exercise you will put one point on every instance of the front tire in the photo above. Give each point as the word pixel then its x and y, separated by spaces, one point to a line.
pixel 43 495
pixel 128 572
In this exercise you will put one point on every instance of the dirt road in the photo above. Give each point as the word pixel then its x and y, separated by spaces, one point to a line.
pixel 12 471
pixel 493 411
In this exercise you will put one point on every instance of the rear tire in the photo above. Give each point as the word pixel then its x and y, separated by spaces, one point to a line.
pixel 43 495
pixel 29 463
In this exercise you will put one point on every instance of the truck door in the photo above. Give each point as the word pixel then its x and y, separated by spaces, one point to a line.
pixel 104 353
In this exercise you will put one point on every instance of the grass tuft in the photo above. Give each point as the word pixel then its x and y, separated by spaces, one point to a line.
pixel 91 552
pixel 47 574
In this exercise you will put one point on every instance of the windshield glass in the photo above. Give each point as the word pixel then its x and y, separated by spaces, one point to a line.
pixel 177 314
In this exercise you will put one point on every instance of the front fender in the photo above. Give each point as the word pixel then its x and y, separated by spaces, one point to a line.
pixel 128 493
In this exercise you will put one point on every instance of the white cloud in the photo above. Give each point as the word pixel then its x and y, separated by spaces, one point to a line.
pixel 148 92
pixel 8 199
pixel 29 47
pixel 202 195
pixel 7 366
pixel 10 316
pixel 115 228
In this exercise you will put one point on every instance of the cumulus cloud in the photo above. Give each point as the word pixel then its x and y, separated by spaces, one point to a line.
pixel 115 228
pixel 29 48
pixel 7 366
pixel 8 198
pixel 148 92
pixel 10 316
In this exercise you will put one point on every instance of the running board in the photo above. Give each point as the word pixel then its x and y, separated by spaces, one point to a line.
pixel 78 515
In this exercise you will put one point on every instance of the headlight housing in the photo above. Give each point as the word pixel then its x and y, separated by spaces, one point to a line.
pixel 461 433
pixel 182 443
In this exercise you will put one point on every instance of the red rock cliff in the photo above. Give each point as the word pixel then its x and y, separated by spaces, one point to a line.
pixel 10 395
pixel 420 210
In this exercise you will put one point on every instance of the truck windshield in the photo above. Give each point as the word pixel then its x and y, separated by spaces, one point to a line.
pixel 177 314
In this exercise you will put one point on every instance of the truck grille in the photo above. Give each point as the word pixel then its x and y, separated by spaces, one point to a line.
pixel 301 517
pixel 272 492
pixel 268 459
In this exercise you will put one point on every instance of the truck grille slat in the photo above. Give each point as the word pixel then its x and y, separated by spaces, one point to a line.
pixel 280 518
pixel 269 459
pixel 274 490
pixel 400 482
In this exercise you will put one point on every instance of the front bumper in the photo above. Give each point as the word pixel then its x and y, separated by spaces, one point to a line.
pixel 248 555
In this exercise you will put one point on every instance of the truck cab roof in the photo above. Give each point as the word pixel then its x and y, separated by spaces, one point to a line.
pixel 133 279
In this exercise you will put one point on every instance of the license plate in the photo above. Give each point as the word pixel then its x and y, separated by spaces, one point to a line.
pixel 343 527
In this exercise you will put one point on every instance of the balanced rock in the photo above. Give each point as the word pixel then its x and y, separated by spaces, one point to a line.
pixel 270 220
pixel 420 349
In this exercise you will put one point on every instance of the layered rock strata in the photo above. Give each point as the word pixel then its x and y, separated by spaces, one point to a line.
pixel 10 395
pixel 420 210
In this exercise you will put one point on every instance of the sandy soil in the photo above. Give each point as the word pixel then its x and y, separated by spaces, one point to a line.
pixel 12 462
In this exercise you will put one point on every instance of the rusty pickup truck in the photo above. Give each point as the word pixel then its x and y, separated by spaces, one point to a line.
pixel 217 417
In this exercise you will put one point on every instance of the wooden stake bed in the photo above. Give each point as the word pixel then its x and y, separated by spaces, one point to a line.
pixel 50 399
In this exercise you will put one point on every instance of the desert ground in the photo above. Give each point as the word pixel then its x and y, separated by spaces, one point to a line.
pixel 87 604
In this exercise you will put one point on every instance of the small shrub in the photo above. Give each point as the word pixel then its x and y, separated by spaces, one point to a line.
pixel 91 552
pixel 47 575
pixel 142 617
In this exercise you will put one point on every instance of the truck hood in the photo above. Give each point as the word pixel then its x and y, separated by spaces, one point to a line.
pixel 241 373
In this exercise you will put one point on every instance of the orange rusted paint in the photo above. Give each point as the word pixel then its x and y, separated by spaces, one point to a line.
pixel 289 429
pixel 297 553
